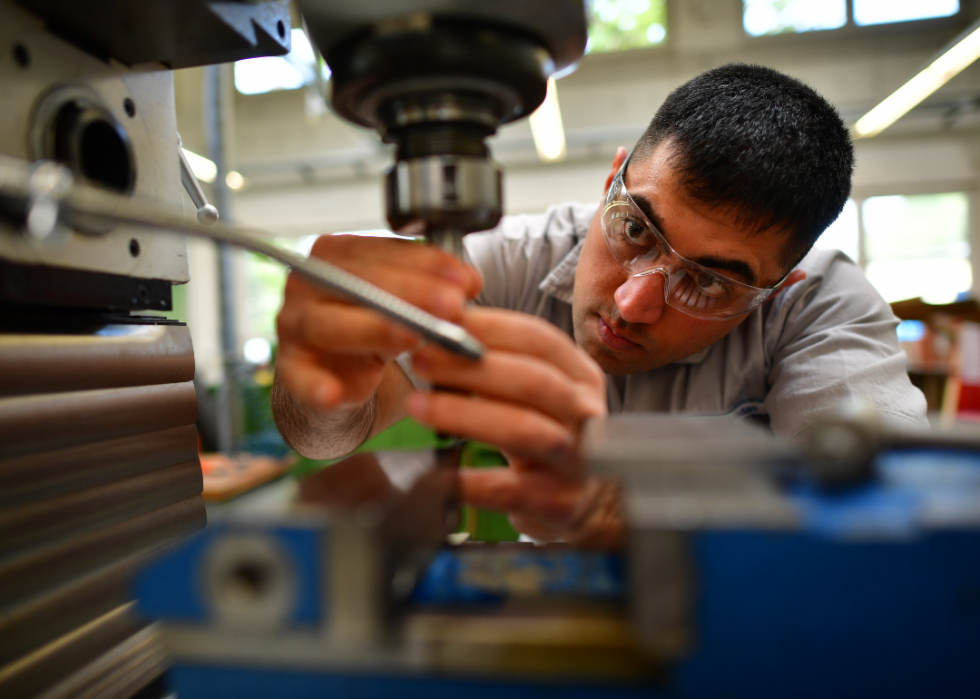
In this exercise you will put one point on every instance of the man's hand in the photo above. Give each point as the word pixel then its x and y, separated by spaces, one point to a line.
pixel 333 354
pixel 529 396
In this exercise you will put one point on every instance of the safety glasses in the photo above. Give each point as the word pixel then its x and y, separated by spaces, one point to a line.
pixel 637 245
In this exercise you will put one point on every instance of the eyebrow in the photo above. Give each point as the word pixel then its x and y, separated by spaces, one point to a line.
pixel 737 267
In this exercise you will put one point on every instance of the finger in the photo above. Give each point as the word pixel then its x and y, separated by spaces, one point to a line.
pixel 433 295
pixel 536 494
pixel 514 378
pixel 307 381
pixel 527 334
pixel 516 430
pixel 350 379
pixel 332 327
pixel 351 251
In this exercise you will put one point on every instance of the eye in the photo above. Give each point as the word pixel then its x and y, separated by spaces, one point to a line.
pixel 709 285
pixel 636 232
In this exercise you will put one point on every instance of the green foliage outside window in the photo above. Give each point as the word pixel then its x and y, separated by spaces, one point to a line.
pixel 618 25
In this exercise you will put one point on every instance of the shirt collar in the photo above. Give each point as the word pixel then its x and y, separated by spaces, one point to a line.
pixel 560 283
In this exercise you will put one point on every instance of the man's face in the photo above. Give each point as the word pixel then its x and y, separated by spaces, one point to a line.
pixel 623 321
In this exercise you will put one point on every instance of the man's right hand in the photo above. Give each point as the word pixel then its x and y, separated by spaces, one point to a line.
pixel 333 353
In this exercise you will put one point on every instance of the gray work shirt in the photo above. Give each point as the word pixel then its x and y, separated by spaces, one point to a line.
pixel 793 359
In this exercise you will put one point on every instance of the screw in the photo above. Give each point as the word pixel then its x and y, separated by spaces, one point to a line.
pixel 130 107
pixel 134 247
pixel 21 55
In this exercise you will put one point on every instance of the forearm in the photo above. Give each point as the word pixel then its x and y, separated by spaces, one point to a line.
pixel 319 434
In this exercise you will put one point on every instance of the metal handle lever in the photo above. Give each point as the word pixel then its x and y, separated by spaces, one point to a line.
pixel 206 213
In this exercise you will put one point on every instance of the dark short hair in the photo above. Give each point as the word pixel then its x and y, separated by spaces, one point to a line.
pixel 766 146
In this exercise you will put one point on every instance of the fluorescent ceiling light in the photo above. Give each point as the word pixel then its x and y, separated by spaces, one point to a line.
pixel 203 169
pixel 375 233
pixel 962 51
pixel 546 127
pixel 235 180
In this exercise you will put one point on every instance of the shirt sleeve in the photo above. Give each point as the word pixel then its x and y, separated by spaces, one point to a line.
pixel 832 337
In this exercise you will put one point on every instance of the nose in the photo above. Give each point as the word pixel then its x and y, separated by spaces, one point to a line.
pixel 642 299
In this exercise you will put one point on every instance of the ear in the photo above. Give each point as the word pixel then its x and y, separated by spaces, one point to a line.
pixel 617 163
pixel 797 275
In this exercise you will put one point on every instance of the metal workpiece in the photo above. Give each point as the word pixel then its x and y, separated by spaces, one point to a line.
pixel 688 473
pixel 842 447
pixel 19 180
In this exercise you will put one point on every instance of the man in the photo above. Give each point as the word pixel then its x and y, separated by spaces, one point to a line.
pixel 689 289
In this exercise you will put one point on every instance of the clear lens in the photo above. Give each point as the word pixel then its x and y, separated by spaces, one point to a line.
pixel 641 249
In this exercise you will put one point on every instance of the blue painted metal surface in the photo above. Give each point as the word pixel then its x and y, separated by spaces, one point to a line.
pixel 796 615
pixel 171 587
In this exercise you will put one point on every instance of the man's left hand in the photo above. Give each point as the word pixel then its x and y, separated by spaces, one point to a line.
pixel 530 395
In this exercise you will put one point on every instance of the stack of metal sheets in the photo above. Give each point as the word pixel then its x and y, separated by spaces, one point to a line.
pixel 98 467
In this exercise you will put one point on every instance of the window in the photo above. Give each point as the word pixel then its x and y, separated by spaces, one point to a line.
pixel 843 233
pixel 918 246
pixel 914 246
pixel 887 11
pixel 296 69
pixel 764 17
pixel 618 25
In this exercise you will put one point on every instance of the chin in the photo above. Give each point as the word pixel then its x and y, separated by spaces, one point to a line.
pixel 610 362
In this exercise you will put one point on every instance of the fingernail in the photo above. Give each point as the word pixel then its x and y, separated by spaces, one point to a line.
pixel 418 404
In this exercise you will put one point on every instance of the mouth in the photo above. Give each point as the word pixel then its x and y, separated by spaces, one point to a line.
pixel 612 339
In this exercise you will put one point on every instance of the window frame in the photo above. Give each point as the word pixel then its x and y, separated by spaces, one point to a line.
pixel 959 20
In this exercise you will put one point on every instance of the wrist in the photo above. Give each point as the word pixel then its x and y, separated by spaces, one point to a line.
pixel 321 434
